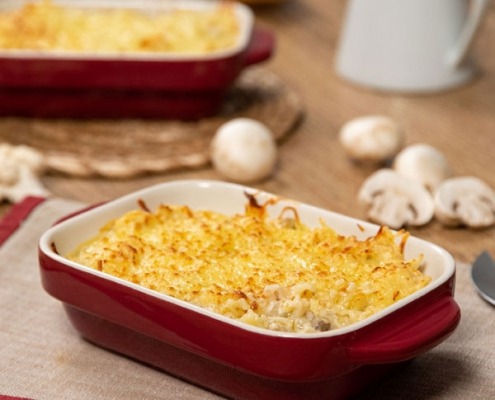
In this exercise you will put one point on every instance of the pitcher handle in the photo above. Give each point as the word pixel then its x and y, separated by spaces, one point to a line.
pixel 459 52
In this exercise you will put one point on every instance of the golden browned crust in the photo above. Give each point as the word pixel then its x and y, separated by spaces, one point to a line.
pixel 272 273
pixel 43 25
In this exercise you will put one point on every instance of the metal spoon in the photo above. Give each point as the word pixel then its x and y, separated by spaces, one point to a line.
pixel 483 276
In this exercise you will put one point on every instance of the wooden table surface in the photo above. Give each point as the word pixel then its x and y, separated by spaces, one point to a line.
pixel 313 167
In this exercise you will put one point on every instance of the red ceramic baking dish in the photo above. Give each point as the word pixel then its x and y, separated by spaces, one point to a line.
pixel 226 356
pixel 156 85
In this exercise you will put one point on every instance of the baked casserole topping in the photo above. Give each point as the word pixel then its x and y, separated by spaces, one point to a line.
pixel 274 273
pixel 44 25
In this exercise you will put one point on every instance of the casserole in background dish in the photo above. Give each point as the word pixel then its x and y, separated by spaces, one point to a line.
pixel 44 83
pixel 224 355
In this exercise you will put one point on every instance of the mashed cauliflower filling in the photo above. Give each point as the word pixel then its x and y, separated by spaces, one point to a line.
pixel 276 273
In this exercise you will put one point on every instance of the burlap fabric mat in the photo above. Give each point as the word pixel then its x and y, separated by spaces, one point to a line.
pixel 131 147
pixel 43 357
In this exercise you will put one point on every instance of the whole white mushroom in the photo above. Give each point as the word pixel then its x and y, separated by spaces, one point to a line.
pixel 371 138
pixel 424 164
pixel 244 150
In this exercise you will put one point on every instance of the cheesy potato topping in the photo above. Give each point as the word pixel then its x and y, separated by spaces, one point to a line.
pixel 45 25
pixel 274 273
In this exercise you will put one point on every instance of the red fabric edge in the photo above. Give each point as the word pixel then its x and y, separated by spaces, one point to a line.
pixel 8 225
pixel 16 215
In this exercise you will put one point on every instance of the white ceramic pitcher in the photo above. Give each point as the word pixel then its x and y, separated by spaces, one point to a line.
pixel 408 45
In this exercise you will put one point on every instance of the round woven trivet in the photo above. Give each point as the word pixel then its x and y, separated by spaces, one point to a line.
pixel 131 147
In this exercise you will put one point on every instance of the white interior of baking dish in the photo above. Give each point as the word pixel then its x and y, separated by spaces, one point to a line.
pixel 230 198
pixel 243 13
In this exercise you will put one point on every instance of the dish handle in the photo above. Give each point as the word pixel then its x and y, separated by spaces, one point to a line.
pixel 427 325
pixel 260 47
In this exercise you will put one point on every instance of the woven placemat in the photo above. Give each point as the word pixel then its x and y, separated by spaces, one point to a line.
pixel 131 147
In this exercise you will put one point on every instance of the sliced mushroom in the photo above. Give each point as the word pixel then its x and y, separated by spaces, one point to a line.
pixel 465 201
pixel 371 138
pixel 395 200
pixel 423 163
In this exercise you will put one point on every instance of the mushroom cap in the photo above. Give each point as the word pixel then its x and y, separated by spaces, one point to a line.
pixel 465 200
pixel 395 200
pixel 244 150
pixel 372 138
pixel 423 163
